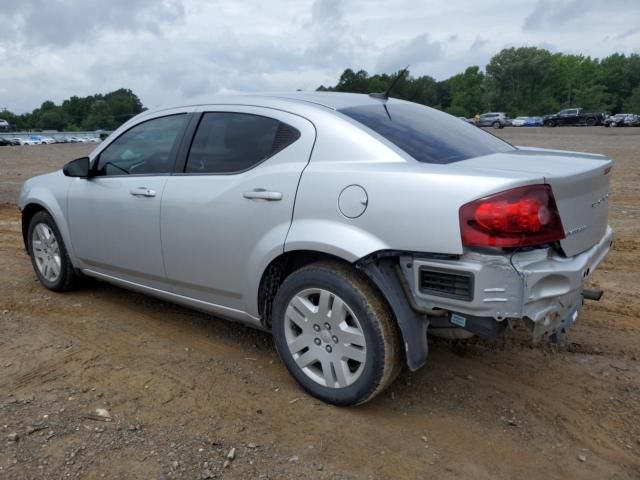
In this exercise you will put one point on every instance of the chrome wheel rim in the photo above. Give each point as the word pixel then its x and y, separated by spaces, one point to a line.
pixel 325 338
pixel 46 252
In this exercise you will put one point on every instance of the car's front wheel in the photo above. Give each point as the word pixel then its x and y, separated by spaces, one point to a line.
pixel 49 255
pixel 335 333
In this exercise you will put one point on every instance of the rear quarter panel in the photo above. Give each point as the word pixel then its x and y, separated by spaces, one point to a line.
pixel 411 206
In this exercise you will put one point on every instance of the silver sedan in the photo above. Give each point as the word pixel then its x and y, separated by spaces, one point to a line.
pixel 350 226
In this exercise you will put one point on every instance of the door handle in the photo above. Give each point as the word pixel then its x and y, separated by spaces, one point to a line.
pixel 262 194
pixel 142 192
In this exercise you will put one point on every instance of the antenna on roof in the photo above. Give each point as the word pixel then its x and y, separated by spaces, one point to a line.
pixel 385 95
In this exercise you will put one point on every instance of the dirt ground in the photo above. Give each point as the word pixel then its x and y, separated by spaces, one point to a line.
pixel 183 389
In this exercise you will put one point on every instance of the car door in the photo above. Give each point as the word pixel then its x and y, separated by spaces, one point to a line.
pixel 568 117
pixel 114 215
pixel 562 117
pixel 229 210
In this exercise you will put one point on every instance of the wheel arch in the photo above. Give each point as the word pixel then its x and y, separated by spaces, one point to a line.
pixel 381 270
pixel 42 200
pixel 279 269
pixel 28 213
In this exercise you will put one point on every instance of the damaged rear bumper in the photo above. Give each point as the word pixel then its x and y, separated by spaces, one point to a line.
pixel 542 287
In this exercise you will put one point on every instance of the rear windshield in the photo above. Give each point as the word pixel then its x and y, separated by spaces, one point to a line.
pixel 426 134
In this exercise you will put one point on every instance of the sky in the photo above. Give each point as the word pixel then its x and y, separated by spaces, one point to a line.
pixel 186 51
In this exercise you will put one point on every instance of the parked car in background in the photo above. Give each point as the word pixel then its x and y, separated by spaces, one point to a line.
pixel 4 142
pixel 494 119
pixel 29 141
pixel 37 139
pixel 468 120
pixel 16 141
pixel 622 120
pixel 534 122
pixel 352 280
pixel 575 117
pixel 519 121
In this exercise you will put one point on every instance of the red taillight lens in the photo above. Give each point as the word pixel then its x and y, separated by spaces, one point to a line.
pixel 520 217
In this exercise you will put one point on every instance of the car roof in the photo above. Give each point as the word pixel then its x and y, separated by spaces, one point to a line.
pixel 325 100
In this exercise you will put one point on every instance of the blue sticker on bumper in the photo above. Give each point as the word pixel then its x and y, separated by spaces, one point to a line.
pixel 458 320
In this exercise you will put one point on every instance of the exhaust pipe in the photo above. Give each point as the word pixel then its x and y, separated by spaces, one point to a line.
pixel 595 295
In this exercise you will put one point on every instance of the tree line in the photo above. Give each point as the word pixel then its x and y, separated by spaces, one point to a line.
pixel 89 113
pixel 519 81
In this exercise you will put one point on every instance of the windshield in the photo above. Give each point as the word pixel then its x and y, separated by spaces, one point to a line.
pixel 426 134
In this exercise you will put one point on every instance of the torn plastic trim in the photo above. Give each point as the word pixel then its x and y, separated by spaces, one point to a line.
pixel 384 272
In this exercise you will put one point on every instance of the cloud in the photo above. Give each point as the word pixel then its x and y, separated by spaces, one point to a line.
pixel 47 23
pixel 186 51
pixel 628 33
pixel 553 14
pixel 327 11
pixel 479 43
pixel 415 51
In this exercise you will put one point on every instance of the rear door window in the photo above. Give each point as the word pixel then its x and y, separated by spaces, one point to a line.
pixel 426 134
pixel 229 142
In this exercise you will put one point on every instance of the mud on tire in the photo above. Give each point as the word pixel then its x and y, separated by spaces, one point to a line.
pixel 67 277
pixel 383 357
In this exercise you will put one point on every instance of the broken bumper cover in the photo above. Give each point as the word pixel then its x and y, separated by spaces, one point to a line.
pixel 541 286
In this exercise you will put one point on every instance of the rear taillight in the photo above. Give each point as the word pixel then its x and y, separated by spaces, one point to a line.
pixel 519 217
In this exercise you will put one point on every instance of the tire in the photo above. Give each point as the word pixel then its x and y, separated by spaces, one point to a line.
pixel 47 250
pixel 591 121
pixel 496 125
pixel 550 123
pixel 361 328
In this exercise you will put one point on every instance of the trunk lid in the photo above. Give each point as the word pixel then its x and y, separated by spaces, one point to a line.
pixel 580 184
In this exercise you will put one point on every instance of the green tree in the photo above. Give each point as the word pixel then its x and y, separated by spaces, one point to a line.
pixel 100 116
pixel 518 78
pixel 421 90
pixel 572 73
pixel 53 119
pixel 612 74
pixel 95 111
pixel 632 104
pixel 467 92
pixel 595 97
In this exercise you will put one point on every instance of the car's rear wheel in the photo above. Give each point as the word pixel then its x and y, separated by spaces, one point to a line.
pixel 49 255
pixel 550 123
pixel 591 121
pixel 497 125
pixel 335 333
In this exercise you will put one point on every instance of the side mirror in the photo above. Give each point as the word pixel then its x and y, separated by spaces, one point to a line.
pixel 77 168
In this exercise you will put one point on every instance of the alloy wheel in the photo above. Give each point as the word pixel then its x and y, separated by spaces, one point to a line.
pixel 46 252
pixel 325 338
